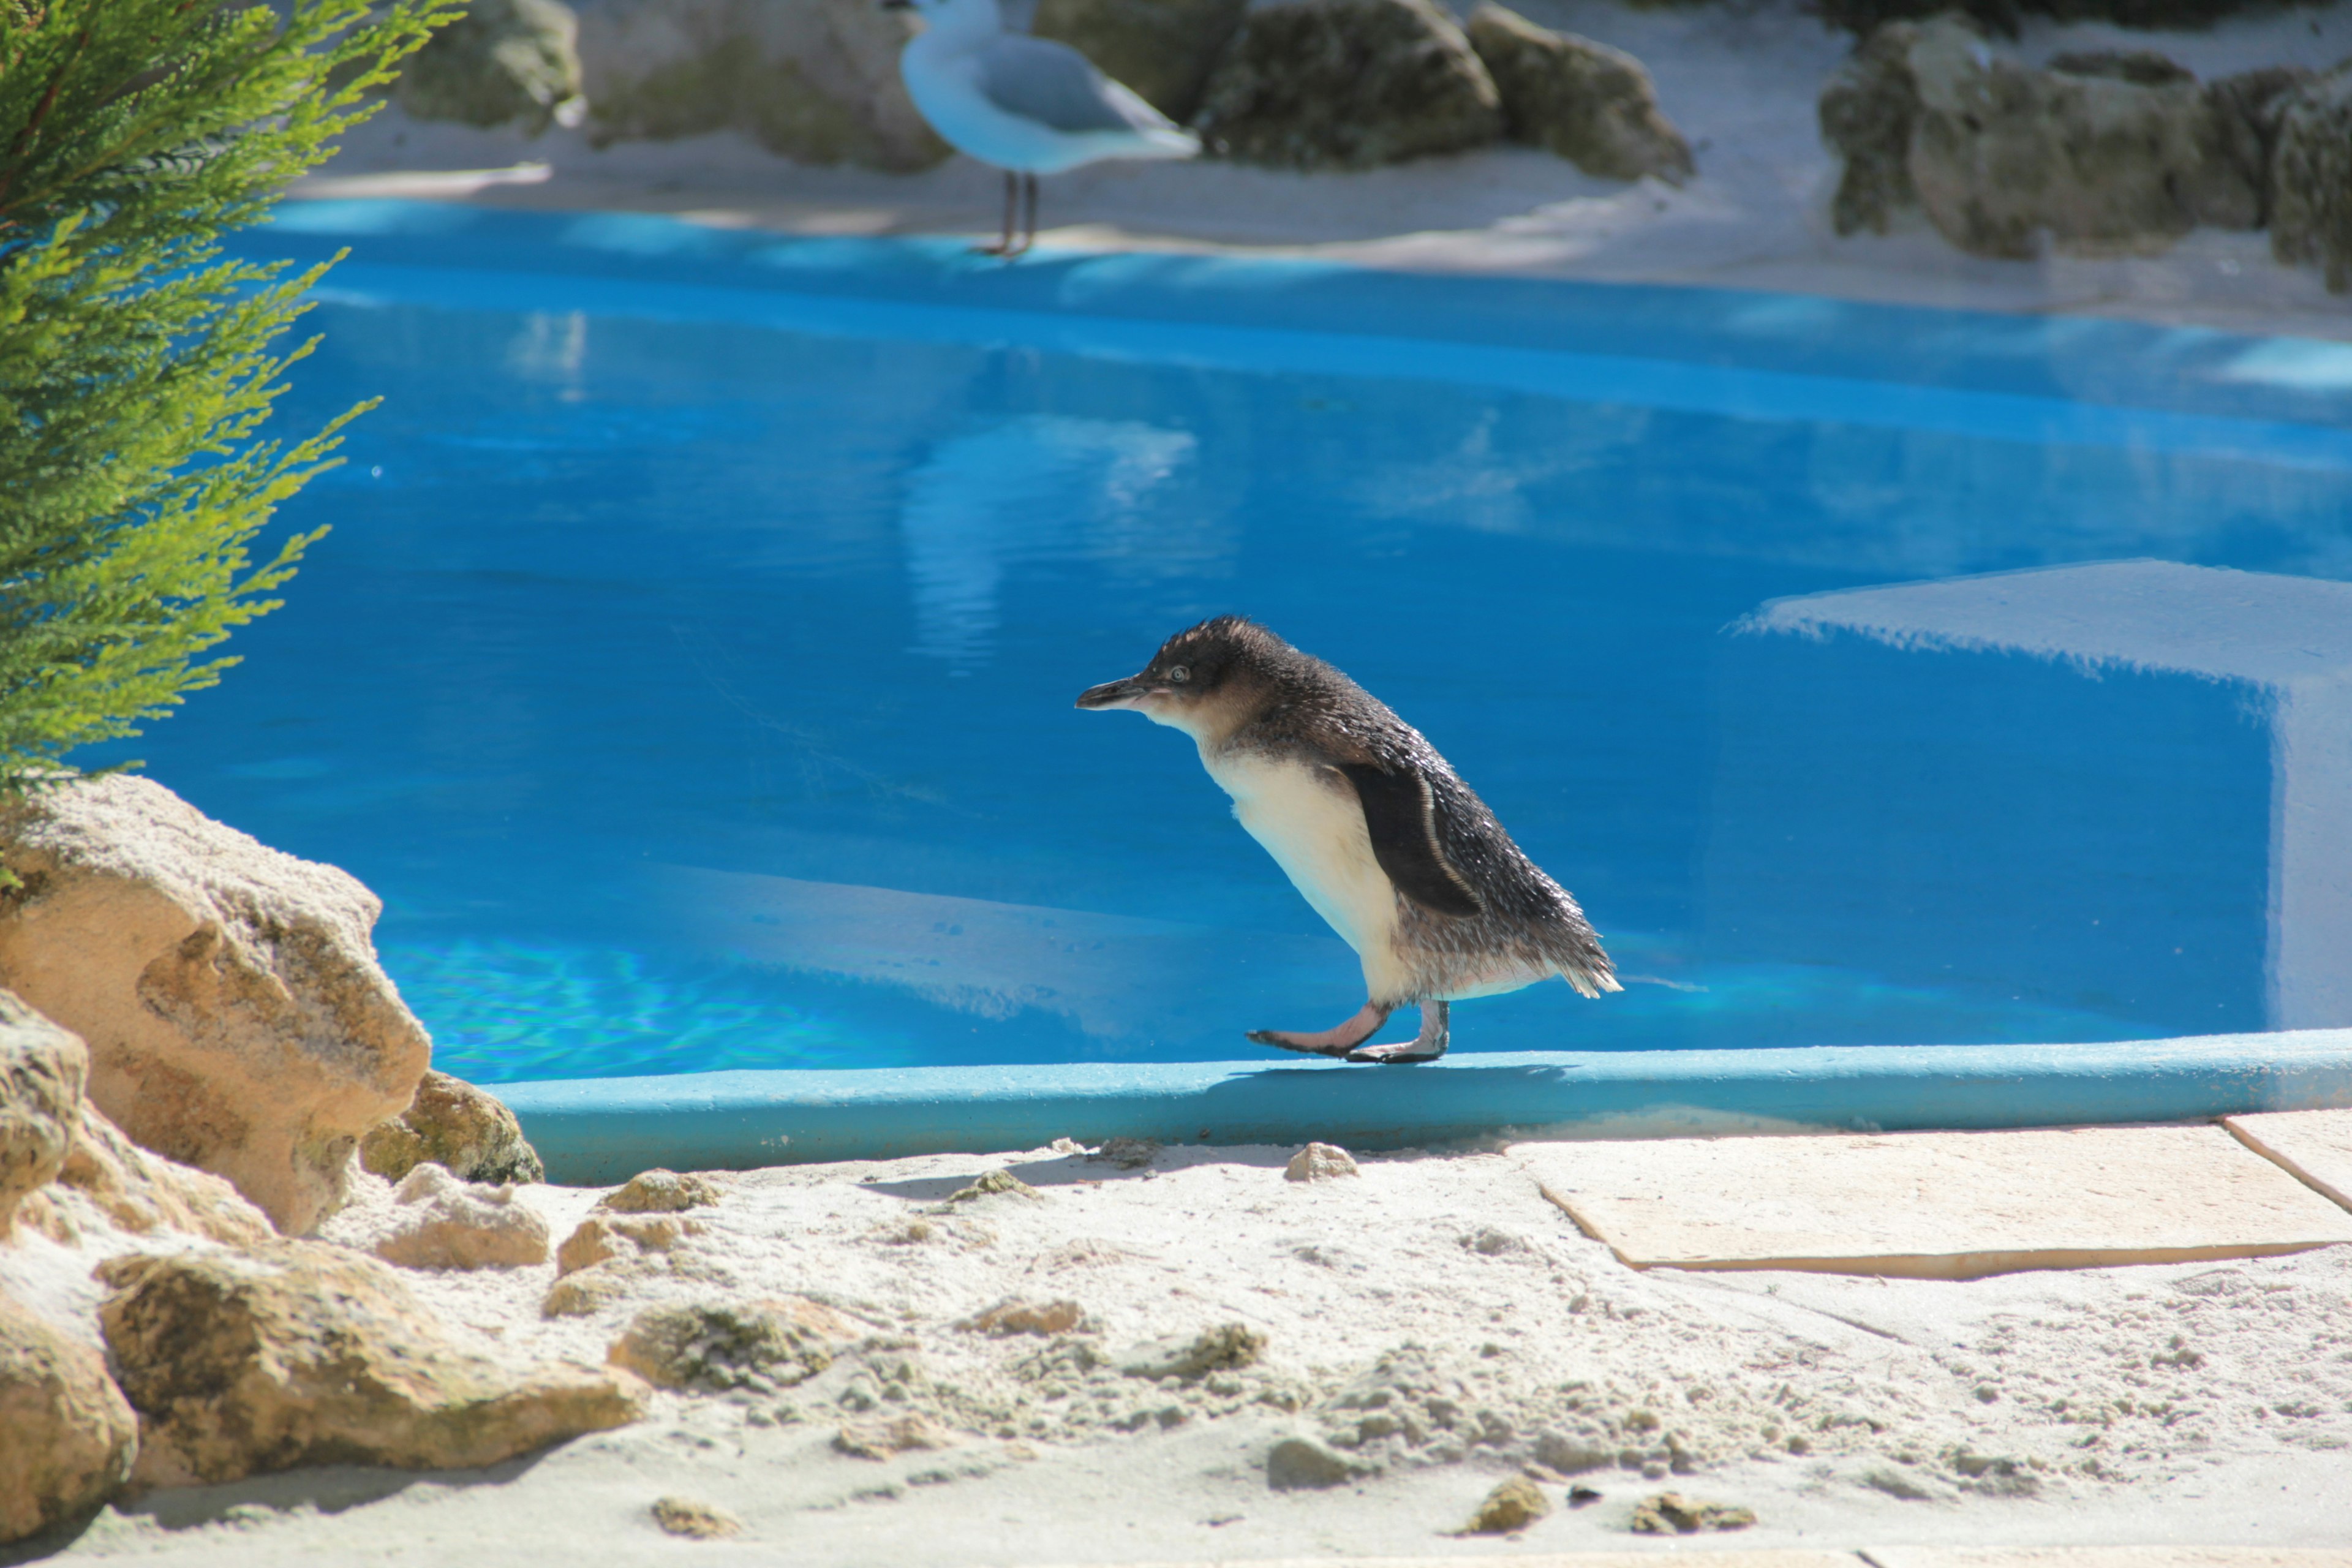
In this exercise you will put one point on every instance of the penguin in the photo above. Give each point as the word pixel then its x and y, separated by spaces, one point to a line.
pixel 1370 824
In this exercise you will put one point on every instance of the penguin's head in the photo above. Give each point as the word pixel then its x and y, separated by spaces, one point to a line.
pixel 1204 680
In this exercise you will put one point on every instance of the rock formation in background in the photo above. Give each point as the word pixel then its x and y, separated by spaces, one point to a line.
pixel 504 62
pixel 464 1130
pixel 42 1071
pixel 67 1434
pixel 1346 84
pixel 298 1353
pixel 2102 153
pixel 229 995
pixel 2311 178
pixel 1164 49
pixel 1587 102
pixel 812 81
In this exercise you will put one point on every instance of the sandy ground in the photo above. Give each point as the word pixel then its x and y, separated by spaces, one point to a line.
pixel 1434 1322
pixel 1740 79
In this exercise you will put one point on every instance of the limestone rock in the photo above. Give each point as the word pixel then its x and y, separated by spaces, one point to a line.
pixel 301 1353
pixel 1225 1348
pixel 695 1520
pixel 502 62
pixel 464 1130
pixel 2311 178
pixel 1587 102
pixel 1043 1318
pixel 881 1439
pixel 604 1237
pixel 108 1180
pixel 235 1013
pixel 1319 1162
pixel 993 1185
pixel 1162 49
pixel 1866 114
pixel 2247 110
pixel 718 1345
pixel 439 1222
pixel 815 81
pixel 660 1192
pixel 67 1434
pixel 1513 1506
pixel 42 1069
pixel 1346 84
pixel 1670 1513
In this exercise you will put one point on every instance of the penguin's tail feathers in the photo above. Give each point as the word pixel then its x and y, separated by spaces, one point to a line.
pixel 1590 982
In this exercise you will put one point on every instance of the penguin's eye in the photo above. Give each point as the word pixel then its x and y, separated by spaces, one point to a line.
pixel 1180 673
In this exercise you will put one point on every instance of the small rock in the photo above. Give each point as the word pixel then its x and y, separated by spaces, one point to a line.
pixel 604 1237
pixel 1130 1153
pixel 717 1345
pixel 1069 1145
pixel 1301 1464
pixel 1583 101
pixel 1572 1456
pixel 1581 1496
pixel 695 1520
pixel 1896 1484
pixel 1220 1349
pixel 440 1222
pixel 660 1192
pixel 1319 1162
pixel 1670 1513
pixel 881 1439
pixel 466 1130
pixel 1516 1504
pixel 1029 1318
pixel 994 1184
pixel 67 1434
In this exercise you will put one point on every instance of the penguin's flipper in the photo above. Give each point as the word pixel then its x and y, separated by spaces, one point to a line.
pixel 1401 815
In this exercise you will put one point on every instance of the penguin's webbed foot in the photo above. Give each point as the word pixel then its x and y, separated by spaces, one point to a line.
pixel 1425 1047
pixel 1336 1042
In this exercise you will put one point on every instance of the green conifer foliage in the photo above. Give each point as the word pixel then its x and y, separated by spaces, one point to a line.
pixel 138 363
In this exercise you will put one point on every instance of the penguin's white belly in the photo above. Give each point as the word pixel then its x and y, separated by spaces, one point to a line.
pixel 1310 821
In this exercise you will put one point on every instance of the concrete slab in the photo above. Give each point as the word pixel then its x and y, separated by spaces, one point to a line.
pixel 2315 1145
pixel 2110 1557
pixel 1944 1205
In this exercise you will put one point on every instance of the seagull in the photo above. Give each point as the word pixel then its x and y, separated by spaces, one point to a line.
pixel 1027 106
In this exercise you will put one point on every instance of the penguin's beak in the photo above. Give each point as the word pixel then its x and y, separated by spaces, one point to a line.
pixel 1115 693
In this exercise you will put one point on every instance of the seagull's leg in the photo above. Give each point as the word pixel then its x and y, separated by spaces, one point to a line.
pixel 1004 245
pixel 1335 1042
pixel 1425 1047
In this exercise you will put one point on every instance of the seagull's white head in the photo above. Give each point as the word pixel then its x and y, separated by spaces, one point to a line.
pixel 972 19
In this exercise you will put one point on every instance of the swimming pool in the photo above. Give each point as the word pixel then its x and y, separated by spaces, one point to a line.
pixel 690 665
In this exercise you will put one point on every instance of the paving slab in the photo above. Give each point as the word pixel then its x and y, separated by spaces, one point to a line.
pixel 2110 1557
pixel 2315 1145
pixel 1940 1205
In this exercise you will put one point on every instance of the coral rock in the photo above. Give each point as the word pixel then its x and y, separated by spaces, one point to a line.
pixel 1319 1162
pixel 235 1013
pixel 718 1345
pixel 1589 104
pixel 439 1222
pixel 67 1434
pixel 1346 84
pixel 42 1069
pixel 301 1353
pixel 660 1192
pixel 452 1124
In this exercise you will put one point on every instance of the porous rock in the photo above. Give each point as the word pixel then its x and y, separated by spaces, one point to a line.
pixel 502 62
pixel 1866 114
pixel 1319 1162
pixel 439 1222
pixel 298 1353
pixel 695 1520
pixel 109 1181
pixel 230 995
pixel 1671 1513
pixel 898 1435
pixel 1223 1348
pixel 1043 1318
pixel 1162 49
pixel 660 1192
pixel 42 1069
pixel 815 81
pixel 1346 84
pixel 451 1123
pixel 602 1237
pixel 2247 110
pixel 993 1185
pixel 1301 1464
pixel 67 1434
pixel 2311 178
pixel 1512 1506
pixel 713 1346
pixel 1586 103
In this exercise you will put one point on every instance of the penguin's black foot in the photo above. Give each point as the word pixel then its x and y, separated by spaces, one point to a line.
pixel 1425 1047
pixel 1335 1042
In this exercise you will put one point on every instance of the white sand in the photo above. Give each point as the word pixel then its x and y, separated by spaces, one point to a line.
pixel 1438 1295
pixel 1741 79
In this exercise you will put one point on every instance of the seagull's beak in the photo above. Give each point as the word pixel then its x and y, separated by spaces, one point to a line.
pixel 1128 694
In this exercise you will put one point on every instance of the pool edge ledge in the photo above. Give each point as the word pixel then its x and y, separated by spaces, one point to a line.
pixel 593 1131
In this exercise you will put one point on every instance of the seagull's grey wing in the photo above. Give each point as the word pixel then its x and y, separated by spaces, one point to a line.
pixel 1059 88
pixel 1401 818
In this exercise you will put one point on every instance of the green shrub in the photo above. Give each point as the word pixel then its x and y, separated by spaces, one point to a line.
pixel 137 364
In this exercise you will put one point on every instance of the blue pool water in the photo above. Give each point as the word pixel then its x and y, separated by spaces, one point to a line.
pixel 690 664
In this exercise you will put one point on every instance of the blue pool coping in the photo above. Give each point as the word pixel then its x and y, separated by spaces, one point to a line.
pixel 599 1132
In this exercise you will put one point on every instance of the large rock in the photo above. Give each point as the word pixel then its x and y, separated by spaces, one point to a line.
pixel 108 1182
pixel 230 997
pixel 812 81
pixel 464 1130
pixel 1346 84
pixel 503 62
pixel 42 1069
pixel 2248 109
pixel 67 1436
pixel 2311 178
pixel 1162 48
pixel 301 1353
pixel 1866 114
pixel 1587 102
